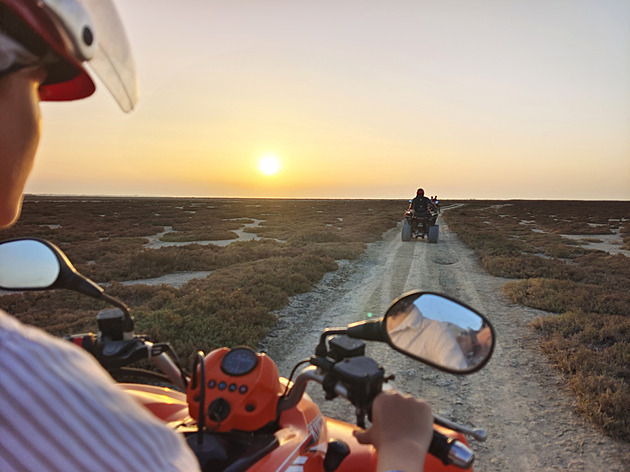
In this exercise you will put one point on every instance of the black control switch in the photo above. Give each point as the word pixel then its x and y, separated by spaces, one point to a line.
pixel 218 410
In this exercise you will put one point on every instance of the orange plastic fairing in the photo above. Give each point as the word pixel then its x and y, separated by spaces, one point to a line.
pixel 248 402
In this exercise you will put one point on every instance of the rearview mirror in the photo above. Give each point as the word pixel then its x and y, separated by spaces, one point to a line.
pixel 439 331
pixel 27 264
pixel 36 264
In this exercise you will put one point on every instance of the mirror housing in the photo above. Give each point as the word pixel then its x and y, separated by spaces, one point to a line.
pixel 27 265
pixel 432 328
pixel 439 331
pixel 37 264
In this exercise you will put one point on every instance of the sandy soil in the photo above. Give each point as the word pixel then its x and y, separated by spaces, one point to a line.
pixel 518 398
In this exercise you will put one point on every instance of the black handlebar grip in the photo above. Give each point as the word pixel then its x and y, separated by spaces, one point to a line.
pixel 450 451
pixel 440 446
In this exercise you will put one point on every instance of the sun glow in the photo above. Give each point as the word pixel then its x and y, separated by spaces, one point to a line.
pixel 269 165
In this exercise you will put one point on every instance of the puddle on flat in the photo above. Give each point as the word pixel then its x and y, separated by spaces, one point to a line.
pixel 174 280
pixel 154 240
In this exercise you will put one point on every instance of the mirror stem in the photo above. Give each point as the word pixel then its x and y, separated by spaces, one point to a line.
pixel 128 325
pixel 321 349
pixel 87 287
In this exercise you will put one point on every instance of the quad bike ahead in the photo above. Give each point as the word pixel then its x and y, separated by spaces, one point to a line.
pixel 236 412
pixel 420 226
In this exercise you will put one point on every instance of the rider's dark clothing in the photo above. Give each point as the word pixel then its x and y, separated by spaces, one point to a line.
pixel 421 205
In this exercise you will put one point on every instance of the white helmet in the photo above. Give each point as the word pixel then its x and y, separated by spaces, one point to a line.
pixel 64 36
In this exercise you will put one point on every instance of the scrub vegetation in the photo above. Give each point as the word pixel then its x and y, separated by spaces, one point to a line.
pixel 588 291
pixel 539 247
pixel 107 239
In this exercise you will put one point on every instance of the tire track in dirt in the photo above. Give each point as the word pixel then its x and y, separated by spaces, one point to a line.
pixel 518 398
pixel 389 277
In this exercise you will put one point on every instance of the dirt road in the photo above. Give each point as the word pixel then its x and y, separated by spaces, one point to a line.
pixel 518 398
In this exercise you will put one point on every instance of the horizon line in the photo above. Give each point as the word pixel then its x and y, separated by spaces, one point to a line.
pixel 71 195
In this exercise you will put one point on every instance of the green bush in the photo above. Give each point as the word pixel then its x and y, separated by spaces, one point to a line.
pixel 106 239
pixel 593 350
pixel 590 290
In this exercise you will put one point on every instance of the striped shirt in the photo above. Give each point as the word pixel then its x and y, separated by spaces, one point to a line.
pixel 60 411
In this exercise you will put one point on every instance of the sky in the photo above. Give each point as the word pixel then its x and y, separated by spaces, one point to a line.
pixel 482 99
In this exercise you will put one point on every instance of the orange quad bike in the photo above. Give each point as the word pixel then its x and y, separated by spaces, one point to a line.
pixel 235 410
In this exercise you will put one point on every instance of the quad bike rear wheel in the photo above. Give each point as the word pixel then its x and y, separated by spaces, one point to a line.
pixel 434 231
pixel 406 231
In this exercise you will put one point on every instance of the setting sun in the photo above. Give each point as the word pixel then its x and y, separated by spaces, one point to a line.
pixel 269 165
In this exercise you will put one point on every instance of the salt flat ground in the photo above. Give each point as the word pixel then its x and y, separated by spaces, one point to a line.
pixel 518 398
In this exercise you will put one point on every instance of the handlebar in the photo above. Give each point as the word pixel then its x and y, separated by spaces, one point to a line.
pixel 118 354
pixel 170 369
pixel 122 352
pixel 448 450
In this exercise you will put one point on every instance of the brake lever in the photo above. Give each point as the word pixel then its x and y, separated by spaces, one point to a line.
pixel 478 433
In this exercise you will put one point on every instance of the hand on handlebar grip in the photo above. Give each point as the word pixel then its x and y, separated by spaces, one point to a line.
pixel 401 431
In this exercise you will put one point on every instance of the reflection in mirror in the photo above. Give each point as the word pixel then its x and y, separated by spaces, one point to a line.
pixel 27 264
pixel 439 330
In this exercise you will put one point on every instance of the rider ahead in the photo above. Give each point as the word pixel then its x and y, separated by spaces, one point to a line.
pixel 421 205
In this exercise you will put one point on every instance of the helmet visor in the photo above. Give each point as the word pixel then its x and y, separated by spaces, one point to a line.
pixel 112 61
